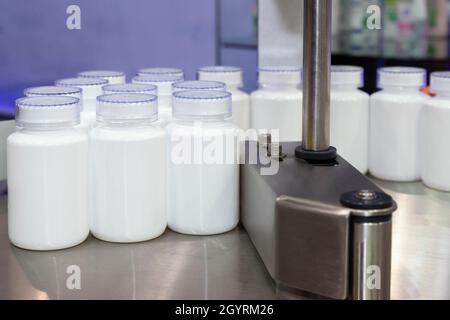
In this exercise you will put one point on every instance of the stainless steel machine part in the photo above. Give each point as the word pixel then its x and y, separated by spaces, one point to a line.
pixel 225 266
pixel 303 234
pixel 371 260
pixel 310 241
pixel 370 241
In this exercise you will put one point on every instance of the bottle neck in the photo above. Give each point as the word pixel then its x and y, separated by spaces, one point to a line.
pixel 128 123
pixel 401 89
pixel 344 87
pixel 190 120
pixel 233 87
pixel 89 105
pixel 45 129
pixel 280 86
pixel 164 101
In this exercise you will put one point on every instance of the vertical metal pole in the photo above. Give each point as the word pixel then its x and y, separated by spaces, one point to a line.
pixel 316 75
pixel 371 260
pixel 371 243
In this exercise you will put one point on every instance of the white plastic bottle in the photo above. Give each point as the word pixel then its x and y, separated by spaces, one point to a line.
pixel 164 83
pixel 113 77
pixel 232 77
pixel 152 72
pixel 394 124
pixel 435 134
pixel 6 128
pixel 203 169
pixel 92 88
pixel 47 175
pixel 131 88
pixel 128 175
pixel 277 104
pixel 349 120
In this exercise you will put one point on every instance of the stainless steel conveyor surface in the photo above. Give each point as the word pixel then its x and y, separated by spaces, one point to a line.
pixel 226 266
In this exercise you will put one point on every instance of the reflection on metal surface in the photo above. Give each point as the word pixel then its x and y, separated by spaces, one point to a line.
pixel 225 266
pixel 420 242
pixel 173 266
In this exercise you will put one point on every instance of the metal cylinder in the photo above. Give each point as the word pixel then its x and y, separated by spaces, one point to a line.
pixel 371 242
pixel 316 75
pixel 371 255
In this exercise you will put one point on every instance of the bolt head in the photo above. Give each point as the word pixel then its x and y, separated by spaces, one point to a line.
pixel 366 195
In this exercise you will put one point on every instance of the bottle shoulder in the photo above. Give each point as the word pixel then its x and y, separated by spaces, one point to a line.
pixel 47 137
pixel 201 128
pixel 349 95
pixel 128 133
pixel 438 102
pixel 409 96
pixel 239 94
pixel 274 94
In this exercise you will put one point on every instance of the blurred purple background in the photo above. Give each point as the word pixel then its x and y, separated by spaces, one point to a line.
pixel 36 48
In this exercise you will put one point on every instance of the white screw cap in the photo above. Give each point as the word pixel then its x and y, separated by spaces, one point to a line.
pixel 47 111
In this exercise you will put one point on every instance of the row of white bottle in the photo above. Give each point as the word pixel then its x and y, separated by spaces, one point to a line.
pixel 408 128
pixel 128 181
pixel 134 188
pixel 118 182
pixel 396 134
pixel 167 79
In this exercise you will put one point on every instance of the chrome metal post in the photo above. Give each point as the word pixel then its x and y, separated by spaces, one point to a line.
pixel 371 260
pixel 370 248
pixel 316 75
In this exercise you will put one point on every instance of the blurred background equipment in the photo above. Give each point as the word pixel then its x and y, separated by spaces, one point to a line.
pixel 34 51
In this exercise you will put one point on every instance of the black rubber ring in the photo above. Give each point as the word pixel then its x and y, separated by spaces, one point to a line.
pixel 320 156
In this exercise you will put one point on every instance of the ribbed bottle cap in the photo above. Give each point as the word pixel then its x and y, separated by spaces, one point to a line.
pixel 347 75
pixel 231 76
pixel 199 85
pixel 126 107
pixel 131 88
pixel 163 82
pixel 92 87
pixel 401 77
pixel 280 75
pixel 440 81
pixel 113 77
pixel 46 91
pixel 161 71
pixel 48 111
pixel 201 104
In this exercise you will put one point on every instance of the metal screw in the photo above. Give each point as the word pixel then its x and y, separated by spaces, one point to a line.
pixel 366 195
